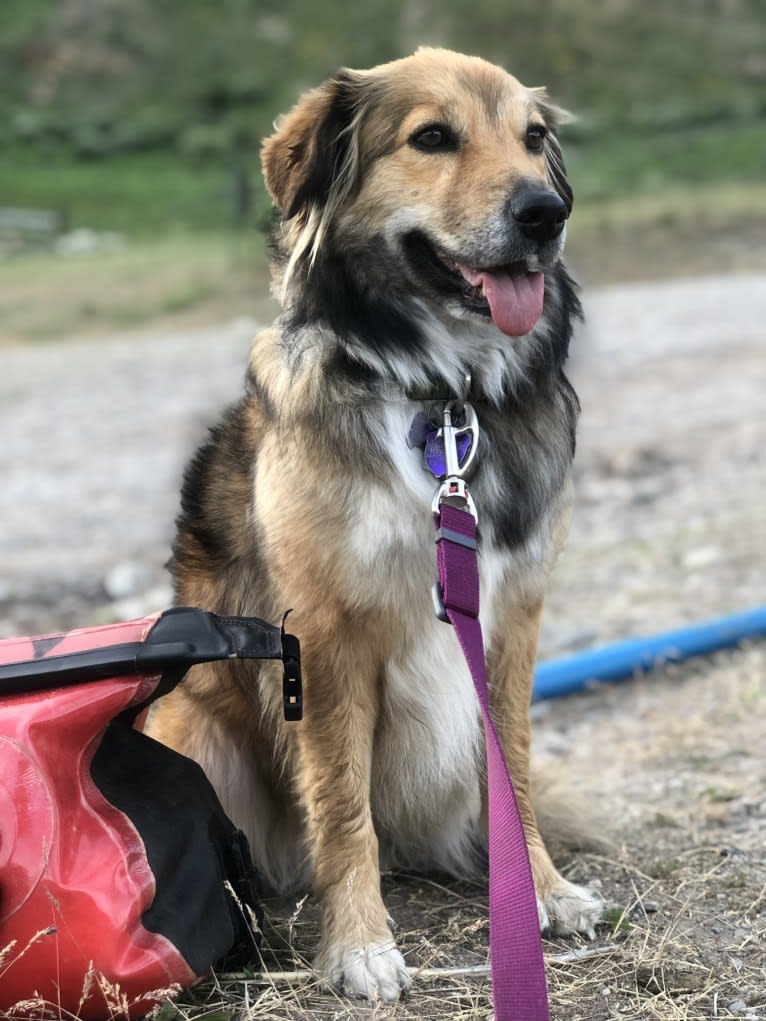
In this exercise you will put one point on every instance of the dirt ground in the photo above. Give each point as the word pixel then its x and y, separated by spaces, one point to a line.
pixel 669 528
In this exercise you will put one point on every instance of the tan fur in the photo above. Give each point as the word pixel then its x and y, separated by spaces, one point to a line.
pixel 301 524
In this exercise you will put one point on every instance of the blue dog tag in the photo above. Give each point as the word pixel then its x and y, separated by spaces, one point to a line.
pixel 433 451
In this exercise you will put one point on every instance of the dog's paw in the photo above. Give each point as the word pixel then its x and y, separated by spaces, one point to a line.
pixel 568 909
pixel 375 972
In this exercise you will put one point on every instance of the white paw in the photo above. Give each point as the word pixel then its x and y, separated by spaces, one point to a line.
pixel 376 971
pixel 569 908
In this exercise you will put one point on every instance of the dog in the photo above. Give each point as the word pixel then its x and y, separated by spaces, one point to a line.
pixel 422 215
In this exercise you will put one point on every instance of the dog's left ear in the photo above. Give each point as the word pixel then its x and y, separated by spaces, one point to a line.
pixel 554 116
pixel 312 151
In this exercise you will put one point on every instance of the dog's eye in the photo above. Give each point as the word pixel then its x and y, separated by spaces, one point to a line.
pixel 534 138
pixel 434 138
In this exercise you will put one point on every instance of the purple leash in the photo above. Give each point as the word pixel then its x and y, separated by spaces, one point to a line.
pixel 518 973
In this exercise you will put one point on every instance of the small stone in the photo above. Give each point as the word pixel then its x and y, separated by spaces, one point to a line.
pixel 738 1007
pixel 704 556
pixel 718 815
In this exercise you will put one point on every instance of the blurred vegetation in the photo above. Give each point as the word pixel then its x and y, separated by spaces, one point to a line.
pixel 125 112
pixel 145 116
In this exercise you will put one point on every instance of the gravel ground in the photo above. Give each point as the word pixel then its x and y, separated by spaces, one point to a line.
pixel 669 525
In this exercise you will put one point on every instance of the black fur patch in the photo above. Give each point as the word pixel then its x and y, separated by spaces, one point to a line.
pixel 528 447
pixel 562 309
pixel 204 535
pixel 531 440
pixel 348 294
pixel 328 151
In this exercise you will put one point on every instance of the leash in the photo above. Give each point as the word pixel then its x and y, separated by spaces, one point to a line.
pixel 518 973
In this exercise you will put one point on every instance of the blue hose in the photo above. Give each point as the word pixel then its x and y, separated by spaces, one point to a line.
pixel 625 659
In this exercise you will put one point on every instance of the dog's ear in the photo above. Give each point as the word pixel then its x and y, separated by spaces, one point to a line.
pixel 554 116
pixel 557 171
pixel 312 147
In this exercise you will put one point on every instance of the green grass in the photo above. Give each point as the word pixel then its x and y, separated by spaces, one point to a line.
pixel 617 917
pixel 154 193
pixel 647 163
pixel 138 194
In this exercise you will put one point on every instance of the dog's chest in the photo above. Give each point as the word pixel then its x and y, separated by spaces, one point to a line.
pixel 427 765
pixel 391 554
pixel 429 755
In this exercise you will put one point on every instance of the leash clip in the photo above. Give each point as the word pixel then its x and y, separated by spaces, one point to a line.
pixel 452 488
pixel 460 442
pixel 454 491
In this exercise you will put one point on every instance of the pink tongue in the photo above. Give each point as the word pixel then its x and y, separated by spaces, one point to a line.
pixel 515 300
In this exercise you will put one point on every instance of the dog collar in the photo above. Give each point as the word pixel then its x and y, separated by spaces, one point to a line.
pixel 437 390
pixel 431 392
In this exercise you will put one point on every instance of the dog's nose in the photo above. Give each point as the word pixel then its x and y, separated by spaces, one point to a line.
pixel 539 212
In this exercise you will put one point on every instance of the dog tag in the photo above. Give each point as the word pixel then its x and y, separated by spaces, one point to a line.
pixel 419 430
pixel 433 451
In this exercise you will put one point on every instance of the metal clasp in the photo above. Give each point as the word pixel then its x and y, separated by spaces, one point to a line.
pixel 453 489
pixel 454 492
pixel 449 433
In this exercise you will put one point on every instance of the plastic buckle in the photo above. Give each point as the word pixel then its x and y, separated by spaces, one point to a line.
pixel 292 680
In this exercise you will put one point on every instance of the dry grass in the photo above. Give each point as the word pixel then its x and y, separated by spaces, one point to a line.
pixel 648 963
pixel 180 281
pixel 116 1003
pixel 676 232
pixel 686 891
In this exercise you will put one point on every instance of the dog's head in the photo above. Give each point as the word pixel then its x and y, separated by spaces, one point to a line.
pixel 438 178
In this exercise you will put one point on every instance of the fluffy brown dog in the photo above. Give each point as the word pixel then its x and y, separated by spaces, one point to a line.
pixel 423 206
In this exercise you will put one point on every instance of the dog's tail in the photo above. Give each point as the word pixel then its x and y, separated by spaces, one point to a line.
pixel 570 821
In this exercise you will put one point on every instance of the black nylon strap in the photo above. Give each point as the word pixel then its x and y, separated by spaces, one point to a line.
pixel 181 637
pixel 205 637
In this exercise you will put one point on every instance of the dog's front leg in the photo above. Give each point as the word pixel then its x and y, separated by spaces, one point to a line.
pixel 335 740
pixel 562 906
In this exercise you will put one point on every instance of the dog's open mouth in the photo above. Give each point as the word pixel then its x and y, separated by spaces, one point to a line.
pixel 511 294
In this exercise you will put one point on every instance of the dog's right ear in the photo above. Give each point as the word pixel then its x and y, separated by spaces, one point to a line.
pixel 554 116
pixel 312 147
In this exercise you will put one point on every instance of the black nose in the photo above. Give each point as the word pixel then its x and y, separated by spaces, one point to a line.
pixel 539 212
